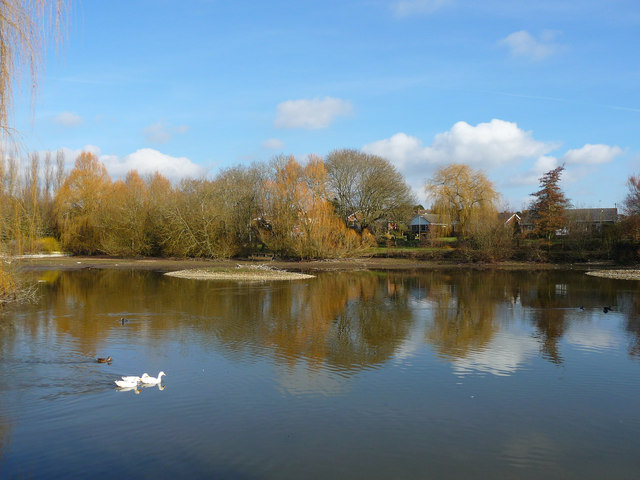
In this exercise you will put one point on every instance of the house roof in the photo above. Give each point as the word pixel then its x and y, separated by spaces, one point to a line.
pixel 592 215
pixel 583 215
pixel 428 217
pixel 507 217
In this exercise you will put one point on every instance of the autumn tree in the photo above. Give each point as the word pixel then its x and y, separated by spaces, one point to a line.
pixel 463 197
pixel 368 187
pixel 80 204
pixel 199 221
pixel 126 218
pixel 159 195
pixel 548 207
pixel 300 221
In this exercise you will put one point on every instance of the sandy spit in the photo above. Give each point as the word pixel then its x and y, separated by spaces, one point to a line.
pixel 618 274
pixel 240 275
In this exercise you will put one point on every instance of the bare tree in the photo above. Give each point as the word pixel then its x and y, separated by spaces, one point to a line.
pixel 60 174
pixel 48 176
pixel 631 206
pixel 632 200
pixel 367 187
pixel 23 28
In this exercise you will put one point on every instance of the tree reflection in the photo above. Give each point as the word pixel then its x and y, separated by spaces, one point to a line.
pixel 6 341
pixel 548 313
pixel 348 320
pixel 631 304
pixel 464 317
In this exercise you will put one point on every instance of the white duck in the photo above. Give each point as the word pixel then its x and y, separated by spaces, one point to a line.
pixel 151 380
pixel 130 383
pixel 131 378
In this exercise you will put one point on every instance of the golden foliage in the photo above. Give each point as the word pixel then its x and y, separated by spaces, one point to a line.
pixel 463 196
pixel 122 214
pixel 80 205
pixel 301 222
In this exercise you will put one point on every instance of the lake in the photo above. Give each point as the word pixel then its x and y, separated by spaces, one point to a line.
pixel 354 375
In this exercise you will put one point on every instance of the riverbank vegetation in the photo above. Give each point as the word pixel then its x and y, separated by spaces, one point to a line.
pixel 347 205
pixel 24 29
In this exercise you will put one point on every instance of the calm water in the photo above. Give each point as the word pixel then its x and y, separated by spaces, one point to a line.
pixel 349 375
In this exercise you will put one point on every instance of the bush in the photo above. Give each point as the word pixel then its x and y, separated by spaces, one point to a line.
pixel 491 244
pixel 48 244
pixel 626 252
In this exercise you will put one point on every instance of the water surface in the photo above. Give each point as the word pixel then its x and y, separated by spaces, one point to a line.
pixel 349 375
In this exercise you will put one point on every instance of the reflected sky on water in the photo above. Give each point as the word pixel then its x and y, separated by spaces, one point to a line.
pixel 437 374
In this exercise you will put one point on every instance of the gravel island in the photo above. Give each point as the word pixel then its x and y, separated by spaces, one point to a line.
pixel 618 274
pixel 244 274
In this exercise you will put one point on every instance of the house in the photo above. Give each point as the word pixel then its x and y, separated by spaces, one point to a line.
pixel 513 220
pixel 584 219
pixel 425 222
pixel 594 218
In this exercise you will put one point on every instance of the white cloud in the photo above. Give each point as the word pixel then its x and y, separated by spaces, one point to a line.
pixel 524 45
pixel 401 149
pixel 592 154
pixel 68 119
pixel 311 114
pixel 532 176
pixel 149 161
pixel 486 145
pixel 497 143
pixel 404 8
pixel 162 132
pixel 145 161
pixel 273 144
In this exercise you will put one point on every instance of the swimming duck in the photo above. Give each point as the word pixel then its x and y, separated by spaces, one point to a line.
pixel 131 378
pixel 104 360
pixel 151 380
pixel 126 383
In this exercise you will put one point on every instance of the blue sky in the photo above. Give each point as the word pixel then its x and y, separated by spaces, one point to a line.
pixel 512 87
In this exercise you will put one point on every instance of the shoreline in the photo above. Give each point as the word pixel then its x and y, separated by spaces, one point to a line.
pixel 348 264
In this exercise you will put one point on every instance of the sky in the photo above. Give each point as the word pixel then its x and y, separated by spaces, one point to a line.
pixel 513 88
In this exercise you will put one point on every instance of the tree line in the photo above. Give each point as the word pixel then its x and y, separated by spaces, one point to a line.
pixel 338 206
pixel 282 207
pixel 466 199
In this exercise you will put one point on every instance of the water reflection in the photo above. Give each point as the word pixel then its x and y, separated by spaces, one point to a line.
pixel 139 388
pixel 347 321
pixel 464 319
pixel 439 373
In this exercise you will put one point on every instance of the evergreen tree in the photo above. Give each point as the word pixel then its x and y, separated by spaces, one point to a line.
pixel 548 207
